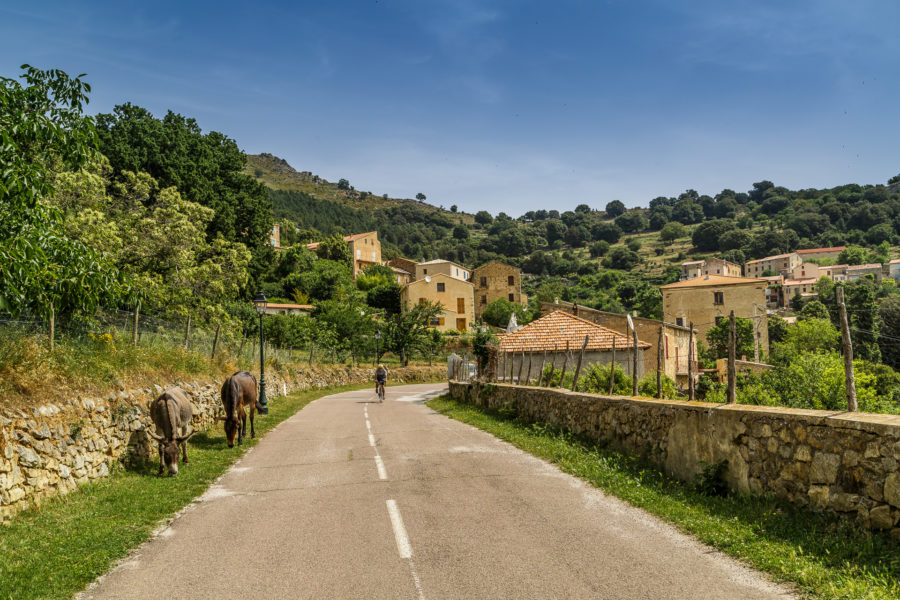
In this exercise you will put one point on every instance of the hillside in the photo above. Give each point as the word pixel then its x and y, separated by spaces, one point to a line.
pixel 277 174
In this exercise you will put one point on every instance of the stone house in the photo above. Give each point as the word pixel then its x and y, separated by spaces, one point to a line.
pixel 710 266
pixel 403 276
pixel 707 300
pixel 404 264
pixel 548 336
pixel 855 272
pixel 676 339
pixel 781 264
pixel 806 270
pixel 446 267
pixel 275 237
pixel 365 248
pixel 274 308
pixel 805 287
pixel 455 295
pixel 835 272
pixel 894 269
pixel 817 253
pixel 496 280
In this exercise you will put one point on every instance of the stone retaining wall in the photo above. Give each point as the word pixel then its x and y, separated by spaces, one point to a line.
pixel 837 461
pixel 52 449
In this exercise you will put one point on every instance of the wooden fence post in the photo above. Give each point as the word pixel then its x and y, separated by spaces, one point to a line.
pixel 512 365
pixel 521 364
pixel 565 364
pixel 134 332
pixel 540 380
pixel 659 363
pixel 580 360
pixel 187 333
pixel 691 363
pixel 216 341
pixel 847 348
pixel 634 362
pixel 732 392
pixel 612 369
pixel 528 376
pixel 52 327
pixel 312 349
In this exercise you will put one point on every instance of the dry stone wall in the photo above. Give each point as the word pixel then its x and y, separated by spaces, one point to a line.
pixel 54 448
pixel 848 463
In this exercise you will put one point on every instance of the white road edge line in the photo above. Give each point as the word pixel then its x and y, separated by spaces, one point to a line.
pixel 403 547
pixel 372 440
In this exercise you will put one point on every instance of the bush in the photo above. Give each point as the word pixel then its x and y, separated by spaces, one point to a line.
pixel 672 231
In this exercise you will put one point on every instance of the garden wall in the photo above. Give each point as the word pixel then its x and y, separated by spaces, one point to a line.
pixel 838 461
pixel 52 449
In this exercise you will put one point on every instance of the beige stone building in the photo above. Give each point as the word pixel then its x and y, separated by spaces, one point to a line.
pixel 835 272
pixel 455 295
pixel 676 340
pixel 855 272
pixel 711 266
pixel 365 248
pixel 404 264
pixel 705 301
pixel 403 276
pixel 496 280
pixel 446 267
pixel 806 270
pixel 781 264
pixel 817 253
pixel 805 287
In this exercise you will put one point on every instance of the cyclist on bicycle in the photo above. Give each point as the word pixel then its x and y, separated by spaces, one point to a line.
pixel 380 379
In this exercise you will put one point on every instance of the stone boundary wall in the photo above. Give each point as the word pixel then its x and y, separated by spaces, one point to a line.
pixel 54 448
pixel 836 461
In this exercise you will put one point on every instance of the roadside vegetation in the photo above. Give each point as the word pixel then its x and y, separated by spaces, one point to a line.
pixel 825 557
pixel 53 551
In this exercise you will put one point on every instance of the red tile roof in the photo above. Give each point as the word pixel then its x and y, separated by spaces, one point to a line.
pixel 554 330
pixel 711 280
pixel 833 249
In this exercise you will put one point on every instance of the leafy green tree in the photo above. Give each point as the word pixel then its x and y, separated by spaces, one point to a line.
pixel 206 169
pixel 498 313
pixel 577 236
pixel 606 231
pixel 406 330
pixel 622 258
pixel 615 208
pixel 717 338
pixel 42 131
pixel 460 232
pixel 335 248
pixel 814 310
pixel 483 217
pixel 327 280
pixel 385 297
pixel 778 329
pixel 598 249
pixel 375 275
pixel 343 184
pixel 482 342
pixel 672 231
pixel 421 197
pixel 706 235
pixel 852 255
pixel 631 222
pixel 734 239
pixel 810 335
pixel 889 314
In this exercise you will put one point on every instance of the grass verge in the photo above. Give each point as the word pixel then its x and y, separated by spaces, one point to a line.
pixel 824 556
pixel 56 550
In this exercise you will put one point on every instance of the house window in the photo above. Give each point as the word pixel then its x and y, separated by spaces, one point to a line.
pixel 484 299
pixel 512 297
pixel 484 282
pixel 719 319
pixel 679 321
pixel 440 287
pixel 460 305
pixel 511 280
pixel 434 321
pixel 461 324
pixel 425 271
pixel 718 298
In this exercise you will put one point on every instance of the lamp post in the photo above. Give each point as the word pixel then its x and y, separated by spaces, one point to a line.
pixel 260 302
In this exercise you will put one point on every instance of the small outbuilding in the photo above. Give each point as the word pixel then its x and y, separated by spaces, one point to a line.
pixel 547 338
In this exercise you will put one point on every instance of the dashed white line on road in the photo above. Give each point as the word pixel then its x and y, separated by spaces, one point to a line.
pixel 372 440
pixel 380 464
pixel 403 547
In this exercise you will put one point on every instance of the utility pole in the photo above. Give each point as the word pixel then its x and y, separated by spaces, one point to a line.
pixel 691 363
pixel 847 347
pixel 612 368
pixel 634 358
pixel 565 364
pixel 659 363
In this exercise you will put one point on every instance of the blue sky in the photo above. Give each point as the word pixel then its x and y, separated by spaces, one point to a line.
pixel 505 105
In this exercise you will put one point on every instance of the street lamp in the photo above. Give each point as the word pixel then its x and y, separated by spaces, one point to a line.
pixel 260 302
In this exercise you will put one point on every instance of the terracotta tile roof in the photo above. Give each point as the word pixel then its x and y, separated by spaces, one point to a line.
pixel 806 281
pixel 555 329
pixel 864 267
pixel 347 238
pixel 811 250
pixel 777 256
pixel 711 280
pixel 291 306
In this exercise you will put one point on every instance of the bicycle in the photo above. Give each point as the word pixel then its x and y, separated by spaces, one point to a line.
pixel 379 390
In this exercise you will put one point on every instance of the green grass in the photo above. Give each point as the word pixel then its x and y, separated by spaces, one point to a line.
pixel 824 556
pixel 58 549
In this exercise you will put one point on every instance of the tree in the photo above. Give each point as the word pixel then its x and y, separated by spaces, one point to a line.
pixel 583 208
pixel 460 232
pixel 734 239
pixel 622 258
pixel 810 335
pixel 498 312
pixel 327 280
pixel 615 208
pixel 672 231
pixel 421 197
pixel 814 310
pixel 206 169
pixel 42 131
pixel 343 184
pixel 606 231
pixel 717 338
pixel 577 236
pixel 386 297
pixel 706 235
pixel 852 255
pixel 889 314
pixel 405 330
pixel 631 222
pixel 334 247
pixel 483 217
pixel 778 328
pixel 598 249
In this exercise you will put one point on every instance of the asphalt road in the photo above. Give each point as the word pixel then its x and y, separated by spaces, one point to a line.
pixel 355 499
